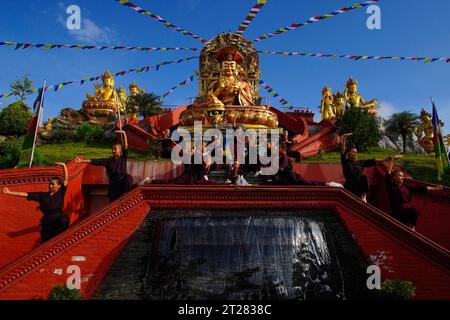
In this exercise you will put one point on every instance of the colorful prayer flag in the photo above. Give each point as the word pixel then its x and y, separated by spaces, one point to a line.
pixel 26 154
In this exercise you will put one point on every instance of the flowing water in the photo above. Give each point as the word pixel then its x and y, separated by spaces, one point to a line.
pixel 240 258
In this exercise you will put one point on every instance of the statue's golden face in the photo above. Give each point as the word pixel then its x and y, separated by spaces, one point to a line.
pixel 326 93
pixel 229 68
pixel 352 88
pixel 109 82
pixel 134 91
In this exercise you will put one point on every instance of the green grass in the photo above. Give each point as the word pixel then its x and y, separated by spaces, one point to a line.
pixel 420 167
pixel 52 153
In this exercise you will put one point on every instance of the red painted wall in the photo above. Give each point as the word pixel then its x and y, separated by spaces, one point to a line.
pixel 19 218
pixel 97 251
pixel 397 261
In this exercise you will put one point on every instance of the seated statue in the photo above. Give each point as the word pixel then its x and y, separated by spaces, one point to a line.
pixel 354 100
pixel 327 107
pixel 105 97
pixel 230 89
pixel 105 92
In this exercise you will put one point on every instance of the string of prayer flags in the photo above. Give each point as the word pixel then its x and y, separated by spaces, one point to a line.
pixel 251 15
pixel 314 19
pixel 138 9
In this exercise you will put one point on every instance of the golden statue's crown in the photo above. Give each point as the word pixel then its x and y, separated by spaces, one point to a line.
pixel 338 95
pixel 134 85
pixel 326 89
pixel 351 82
pixel 107 75
pixel 230 54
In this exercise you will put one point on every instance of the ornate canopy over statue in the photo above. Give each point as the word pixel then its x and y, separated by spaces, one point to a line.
pixel 229 86
pixel 229 47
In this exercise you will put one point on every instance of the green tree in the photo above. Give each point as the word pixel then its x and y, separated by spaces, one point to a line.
pixel 22 87
pixel 365 128
pixel 14 119
pixel 403 124
pixel 10 153
pixel 147 104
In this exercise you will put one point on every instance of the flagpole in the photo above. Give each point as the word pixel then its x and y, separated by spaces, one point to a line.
pixel 38 122
pixel 118 112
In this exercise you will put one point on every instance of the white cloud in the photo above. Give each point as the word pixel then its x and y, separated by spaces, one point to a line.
pixel 387 109
pixel 90 32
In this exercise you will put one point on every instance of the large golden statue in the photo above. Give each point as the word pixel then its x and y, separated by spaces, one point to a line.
pixel 105 98
pixel 354 100
pixel 230 89
pixel 228 86
pixel 339 103
pixel 425 132
pixel 327 107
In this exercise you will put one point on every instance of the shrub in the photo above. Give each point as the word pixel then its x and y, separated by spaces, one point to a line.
pixel 15 119
pixel 61 136
pixel 96 135
pixel 365 128
pixel 397 289
pixel 82 132
pixel 10 153
pixel 64 293
pixel 92 134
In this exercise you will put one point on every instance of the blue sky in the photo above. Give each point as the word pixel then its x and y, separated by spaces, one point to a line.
pixel 409 28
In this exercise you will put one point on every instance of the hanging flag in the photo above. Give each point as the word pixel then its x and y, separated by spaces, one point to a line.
pixel 18 45
pixel 251 15
pixel 293 26
pixel 182 83
pixel 355 57
pixel 275 94
pixel 440 153
pixel 27 152
pixel 57 87
pixel 138 9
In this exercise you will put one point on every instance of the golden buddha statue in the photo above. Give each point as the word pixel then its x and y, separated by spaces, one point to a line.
pixel 105 92
pixel 123 99
pixel 230 89
pixel 135 89
pixel 425 132
pixel 354 100
pixel 327 107
pixel 105 98
pixel 339 103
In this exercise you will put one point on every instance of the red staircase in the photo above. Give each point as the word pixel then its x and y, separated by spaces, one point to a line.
pixel 94 243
